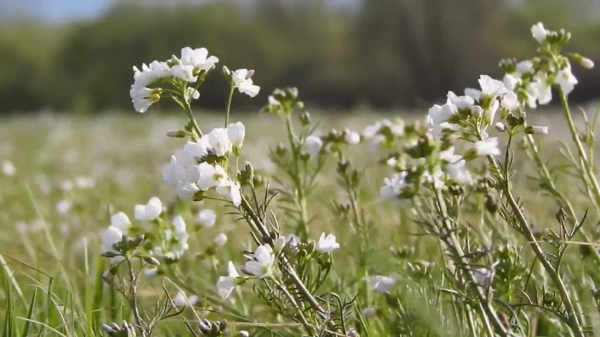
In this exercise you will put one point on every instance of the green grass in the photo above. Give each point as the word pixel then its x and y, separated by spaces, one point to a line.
pixel 51 276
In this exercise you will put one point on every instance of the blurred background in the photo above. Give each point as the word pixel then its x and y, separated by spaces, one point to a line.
pixel 76 56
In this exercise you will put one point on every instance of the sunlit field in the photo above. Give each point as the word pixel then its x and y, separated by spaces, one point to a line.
pixel 476 217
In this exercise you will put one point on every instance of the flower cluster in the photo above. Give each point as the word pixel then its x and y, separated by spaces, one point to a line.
pixel 197 168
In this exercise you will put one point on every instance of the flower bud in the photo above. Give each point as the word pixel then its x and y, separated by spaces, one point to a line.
pixel 244 333
pixel 226 71
pixel 500 127
pixel 536 130
pixel 205 326
pixel 305 118
pixel 583 61
pixel 176 134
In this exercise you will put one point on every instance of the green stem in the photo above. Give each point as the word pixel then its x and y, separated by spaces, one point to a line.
pixel 228 106
pixel 302 228
pixel 574 134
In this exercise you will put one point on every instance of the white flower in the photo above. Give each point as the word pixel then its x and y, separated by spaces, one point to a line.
pixel 327 244
pixel 542 87
pixel 8 169
pixel 192 152
pixel 184 72
pixel 221 239
pixel 63 207
pixel 150 211
pixel 487 147
pixel 120 221
pixel 218 139
pixel 226 284
pixel 312 145
pixel 437 117
pixel 143 98
pixel 180 300
pixel 566 80
pixel 539 32
pixel 458 172
pixel 524 67
pixel 473 93
pixel 351 137
pixel 491 87
pixel 510 101
pixel 483 277
pixel 511 81
pixel 539 130
pixel 236 133
pixel 242 80
pixel 262 263
pixel 197 58
pixel 461 102
pixel 231 190
pixel 180 228
pixel 380 283
pixel 210 176
pixel 207 217
pixel 393 186
pixel 148 74
pixel 84 182
pixel 111 236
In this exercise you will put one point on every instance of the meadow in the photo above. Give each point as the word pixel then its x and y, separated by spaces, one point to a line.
pixel 503 248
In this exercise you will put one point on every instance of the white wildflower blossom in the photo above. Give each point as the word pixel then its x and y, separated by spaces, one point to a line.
pixel 262 263
pixel 219 142
pixel 487 147
pixel 210 176
pixel 438 117
pixel 351 137
pixel 327 244
pixel 393 186
pixel 221 239
pixel 510 101
pixel 197 58
pixel 483 277
pixel 8 169
pixel 313 145
pixel 207 217
pixel 181 300
pixel 63 207
pixel 566 80
pixel 150 211
pixel 232 190
pixel 539 32
pixel 236 133
pixel 491 88
pixel 226 284
pixel 242 80
pixel 473 93
pixel 381 284
pixel 461 102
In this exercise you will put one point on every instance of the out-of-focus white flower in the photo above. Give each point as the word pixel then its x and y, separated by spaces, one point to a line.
pixel 181 300
pixel 511 81
pixel 66 185
pixel 327 244
pixel 231 190
pixel 226 284
pixel 351 137
pixel 244 333
pixel 150 211
pixel 242 80
pixel 381 284
pixel 586 63
pixel 566 80
pixel 121 221
pixel 393 186
pixel 191 93
pixel 261 265
pixel 483 277
pixel 487 147
pixel 63 207
pixel 221 239
pixel 236 133
pixel 539 32
pixel 543 89
pixel 85 182
pixel 8 169
pixel 180 228
pixel 313 145
pixel 491 88
pixel 150 272
pixel 368 312
pixel 111 236
pixel 207 217
pixel 524 67
pixel 438 116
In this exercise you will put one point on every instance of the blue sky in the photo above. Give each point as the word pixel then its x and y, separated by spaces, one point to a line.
pixel 53 10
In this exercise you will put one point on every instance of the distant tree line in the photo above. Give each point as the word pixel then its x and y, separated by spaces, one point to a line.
pixel 381 54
